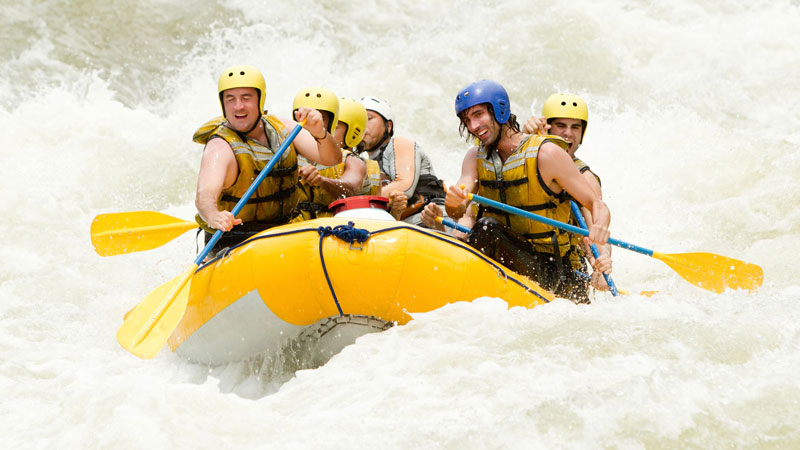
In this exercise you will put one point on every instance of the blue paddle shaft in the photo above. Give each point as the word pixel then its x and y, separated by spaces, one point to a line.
pixel 579 217
pixel 446 221
pixel 251 190
pixel 555 223
pixel 452 224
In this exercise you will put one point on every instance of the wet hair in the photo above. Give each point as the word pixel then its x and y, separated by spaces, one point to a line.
pixel 386 128
pixel 467 135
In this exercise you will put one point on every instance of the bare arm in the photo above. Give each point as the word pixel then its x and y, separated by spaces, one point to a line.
pixel 314 142
pixel 536 125
pixel 559 172
pixel 456 201
pixel 218 170
pixel 593 183
pixel 405 172
pixel 432 211
pixel 350 182
pixel 355 170
pixel 603 263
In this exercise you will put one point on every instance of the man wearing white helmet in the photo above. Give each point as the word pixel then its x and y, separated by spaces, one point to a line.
pixel 407 170
pixel 566 115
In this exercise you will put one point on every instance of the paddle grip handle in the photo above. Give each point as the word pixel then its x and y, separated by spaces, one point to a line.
pixel 555 223
pixel 579 217
pixel 448 222
pixel 251 190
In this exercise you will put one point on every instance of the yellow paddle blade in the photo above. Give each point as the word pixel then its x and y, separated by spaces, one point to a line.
pixel 644 293
pixel 126 232
pixel 150 324
pixel 714 272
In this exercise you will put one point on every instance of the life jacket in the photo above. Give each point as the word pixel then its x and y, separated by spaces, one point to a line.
pixel 426 186
pixel 583 167
pixel 517 182
pixel 372 182
pixel 314 200
pixel 577 255
pixel 275 198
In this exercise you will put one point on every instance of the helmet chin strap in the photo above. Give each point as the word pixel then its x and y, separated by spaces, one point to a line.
pixel 255 125
pixel 381 142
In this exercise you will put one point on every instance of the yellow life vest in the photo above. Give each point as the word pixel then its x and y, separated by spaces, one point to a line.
pixel 314 200
pixel 372 182
pixel 275 198
pixel 583 167
pixel 577 254
pixel 517 182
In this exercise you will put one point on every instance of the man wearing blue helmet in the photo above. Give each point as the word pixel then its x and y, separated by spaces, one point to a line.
pixel 531 172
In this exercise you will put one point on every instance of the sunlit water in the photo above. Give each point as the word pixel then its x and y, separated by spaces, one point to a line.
pixel 693 129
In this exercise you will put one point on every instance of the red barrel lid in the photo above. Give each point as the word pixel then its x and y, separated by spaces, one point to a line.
pixel 359 202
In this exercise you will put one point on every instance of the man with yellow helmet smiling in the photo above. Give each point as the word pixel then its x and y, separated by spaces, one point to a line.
pixel 239 145
pixel 566 115
pixel 320 184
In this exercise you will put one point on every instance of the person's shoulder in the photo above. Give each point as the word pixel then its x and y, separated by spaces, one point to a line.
pixel 472 154
pixel 549 149
pixel 552 153
pixel 218 146
pixel 207 130
pixel 351 158
pixel 285 121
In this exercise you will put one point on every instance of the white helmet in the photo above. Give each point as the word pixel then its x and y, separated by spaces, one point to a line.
pixel 377 105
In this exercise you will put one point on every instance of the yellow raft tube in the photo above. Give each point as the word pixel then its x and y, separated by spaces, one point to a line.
pixel 305 279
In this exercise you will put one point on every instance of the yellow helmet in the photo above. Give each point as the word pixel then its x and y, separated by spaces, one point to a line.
pixel 320 99
pixel 242 76
pixel 353 114
pixel 567 106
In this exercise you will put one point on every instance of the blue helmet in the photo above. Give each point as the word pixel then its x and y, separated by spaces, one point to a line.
pixel 485 91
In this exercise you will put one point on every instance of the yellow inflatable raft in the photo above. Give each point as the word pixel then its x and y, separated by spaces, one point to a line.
pixel 333 279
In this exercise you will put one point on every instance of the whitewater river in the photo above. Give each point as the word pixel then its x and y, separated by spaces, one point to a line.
pixel 694 129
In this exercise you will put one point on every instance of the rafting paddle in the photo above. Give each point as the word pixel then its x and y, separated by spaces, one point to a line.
pixel 127 232
pixel 150 324
pixel 579 217
pixel 706 270
pixel 448 222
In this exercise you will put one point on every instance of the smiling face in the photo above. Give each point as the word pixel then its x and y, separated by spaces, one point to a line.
pixel 241 108
pixel 569 129
pixel 481 124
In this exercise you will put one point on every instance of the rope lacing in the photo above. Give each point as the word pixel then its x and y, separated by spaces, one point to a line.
pixel 348 233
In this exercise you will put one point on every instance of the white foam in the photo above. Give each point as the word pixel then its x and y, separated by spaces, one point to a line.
pixel 693 131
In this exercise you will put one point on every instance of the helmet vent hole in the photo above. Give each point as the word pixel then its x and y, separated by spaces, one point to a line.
pixel 241 73
pixel 308 94
pixel 574 104
pixel 230 74
pixel 319 95
pixel 563 103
